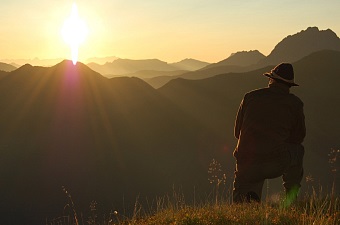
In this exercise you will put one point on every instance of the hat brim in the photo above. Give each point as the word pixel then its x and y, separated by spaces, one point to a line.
pixel 270 75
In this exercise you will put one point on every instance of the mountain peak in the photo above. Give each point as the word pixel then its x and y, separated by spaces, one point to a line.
pixel 314 30
pixel 311 29
pixel 7 67
pixel 128 66
pixel 67 62
pixel 296 46
pixel 242 58
pixel 68 65
pixel 189 64
pixel 254 52
pixel 25 68
pixel 119 60
pixel 188 60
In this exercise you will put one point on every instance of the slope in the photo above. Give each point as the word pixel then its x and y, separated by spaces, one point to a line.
pixel 127 66
pixel 6 67
pixel 215 101
pixel 290 49
pixel 295 47
pixel 104 139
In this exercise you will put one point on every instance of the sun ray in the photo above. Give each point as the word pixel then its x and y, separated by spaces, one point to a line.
pixel 74 32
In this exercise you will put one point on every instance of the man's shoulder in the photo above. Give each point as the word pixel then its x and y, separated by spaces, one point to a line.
pixel 266 91
pixel 257 92
pixel 296 99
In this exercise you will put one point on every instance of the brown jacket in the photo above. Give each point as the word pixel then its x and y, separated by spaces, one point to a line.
pixel 267 119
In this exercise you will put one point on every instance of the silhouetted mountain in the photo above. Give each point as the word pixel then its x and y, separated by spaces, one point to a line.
pixel 6 67
pixel 108 140
pixel 295 47
pixel 101 60
pixel 15 65
pixel 290 49
pixel 127 66
pixel 243 58
pixel 189 64
pixel 36 61
pixel 237 62
pixel 2 74
pixel 157 82
pixel 147 74
pixel 215 101
pixel 111 140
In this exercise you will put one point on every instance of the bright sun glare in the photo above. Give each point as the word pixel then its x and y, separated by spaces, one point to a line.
pixel 74 32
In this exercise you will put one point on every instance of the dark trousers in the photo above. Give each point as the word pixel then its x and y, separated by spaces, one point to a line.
pixel 250 174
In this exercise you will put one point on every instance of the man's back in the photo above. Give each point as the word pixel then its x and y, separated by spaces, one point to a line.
pixel 270 128
pixel 267 119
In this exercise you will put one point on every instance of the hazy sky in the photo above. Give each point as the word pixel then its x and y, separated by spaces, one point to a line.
pixel 170 30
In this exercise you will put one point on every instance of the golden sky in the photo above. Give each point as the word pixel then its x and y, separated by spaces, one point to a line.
pixel 170 30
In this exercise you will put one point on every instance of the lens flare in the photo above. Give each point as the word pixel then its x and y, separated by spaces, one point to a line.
pixel 74 32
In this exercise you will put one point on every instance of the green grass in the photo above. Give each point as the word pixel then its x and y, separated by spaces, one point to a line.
pixel 316 213
pixel 311 211
pixel 315 209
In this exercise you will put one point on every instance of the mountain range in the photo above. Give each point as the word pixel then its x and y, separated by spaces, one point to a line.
pixel 214 101
pixel 290 49
pixel 157 73
pixel 7 67
pixel 297 46
pixel 50 62
pixel 242 59
pixel 104 139
pixel 113 140
pixel 128 66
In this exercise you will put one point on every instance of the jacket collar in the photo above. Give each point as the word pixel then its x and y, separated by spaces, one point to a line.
pixel 279 88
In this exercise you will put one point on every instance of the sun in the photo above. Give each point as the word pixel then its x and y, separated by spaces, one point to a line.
pixel 74 32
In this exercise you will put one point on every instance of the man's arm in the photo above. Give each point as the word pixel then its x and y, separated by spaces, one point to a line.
pixel 299 131
pixel 238 121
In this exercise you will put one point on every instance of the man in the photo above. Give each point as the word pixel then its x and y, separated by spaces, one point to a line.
pixel 270 128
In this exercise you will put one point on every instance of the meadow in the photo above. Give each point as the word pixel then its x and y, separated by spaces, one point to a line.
pixel 314 208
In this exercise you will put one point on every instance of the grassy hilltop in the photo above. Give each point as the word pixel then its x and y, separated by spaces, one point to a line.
pixel 310 210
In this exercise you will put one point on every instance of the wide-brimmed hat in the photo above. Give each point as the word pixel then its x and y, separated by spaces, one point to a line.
pixel 283 72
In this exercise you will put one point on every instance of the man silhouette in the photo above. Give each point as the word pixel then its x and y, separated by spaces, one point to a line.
pixel 270 127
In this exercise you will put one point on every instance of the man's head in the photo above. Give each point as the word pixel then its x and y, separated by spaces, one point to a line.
pixel 283 73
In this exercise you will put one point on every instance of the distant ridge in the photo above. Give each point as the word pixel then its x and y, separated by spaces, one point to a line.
pixel 149 74
pixel 7 67
pixel 242 58
pixel 190 64
pixel 35 61
pixel 101 60
pixel 299 45
pixel 127 66
pixel 120 67
pixel 290 49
